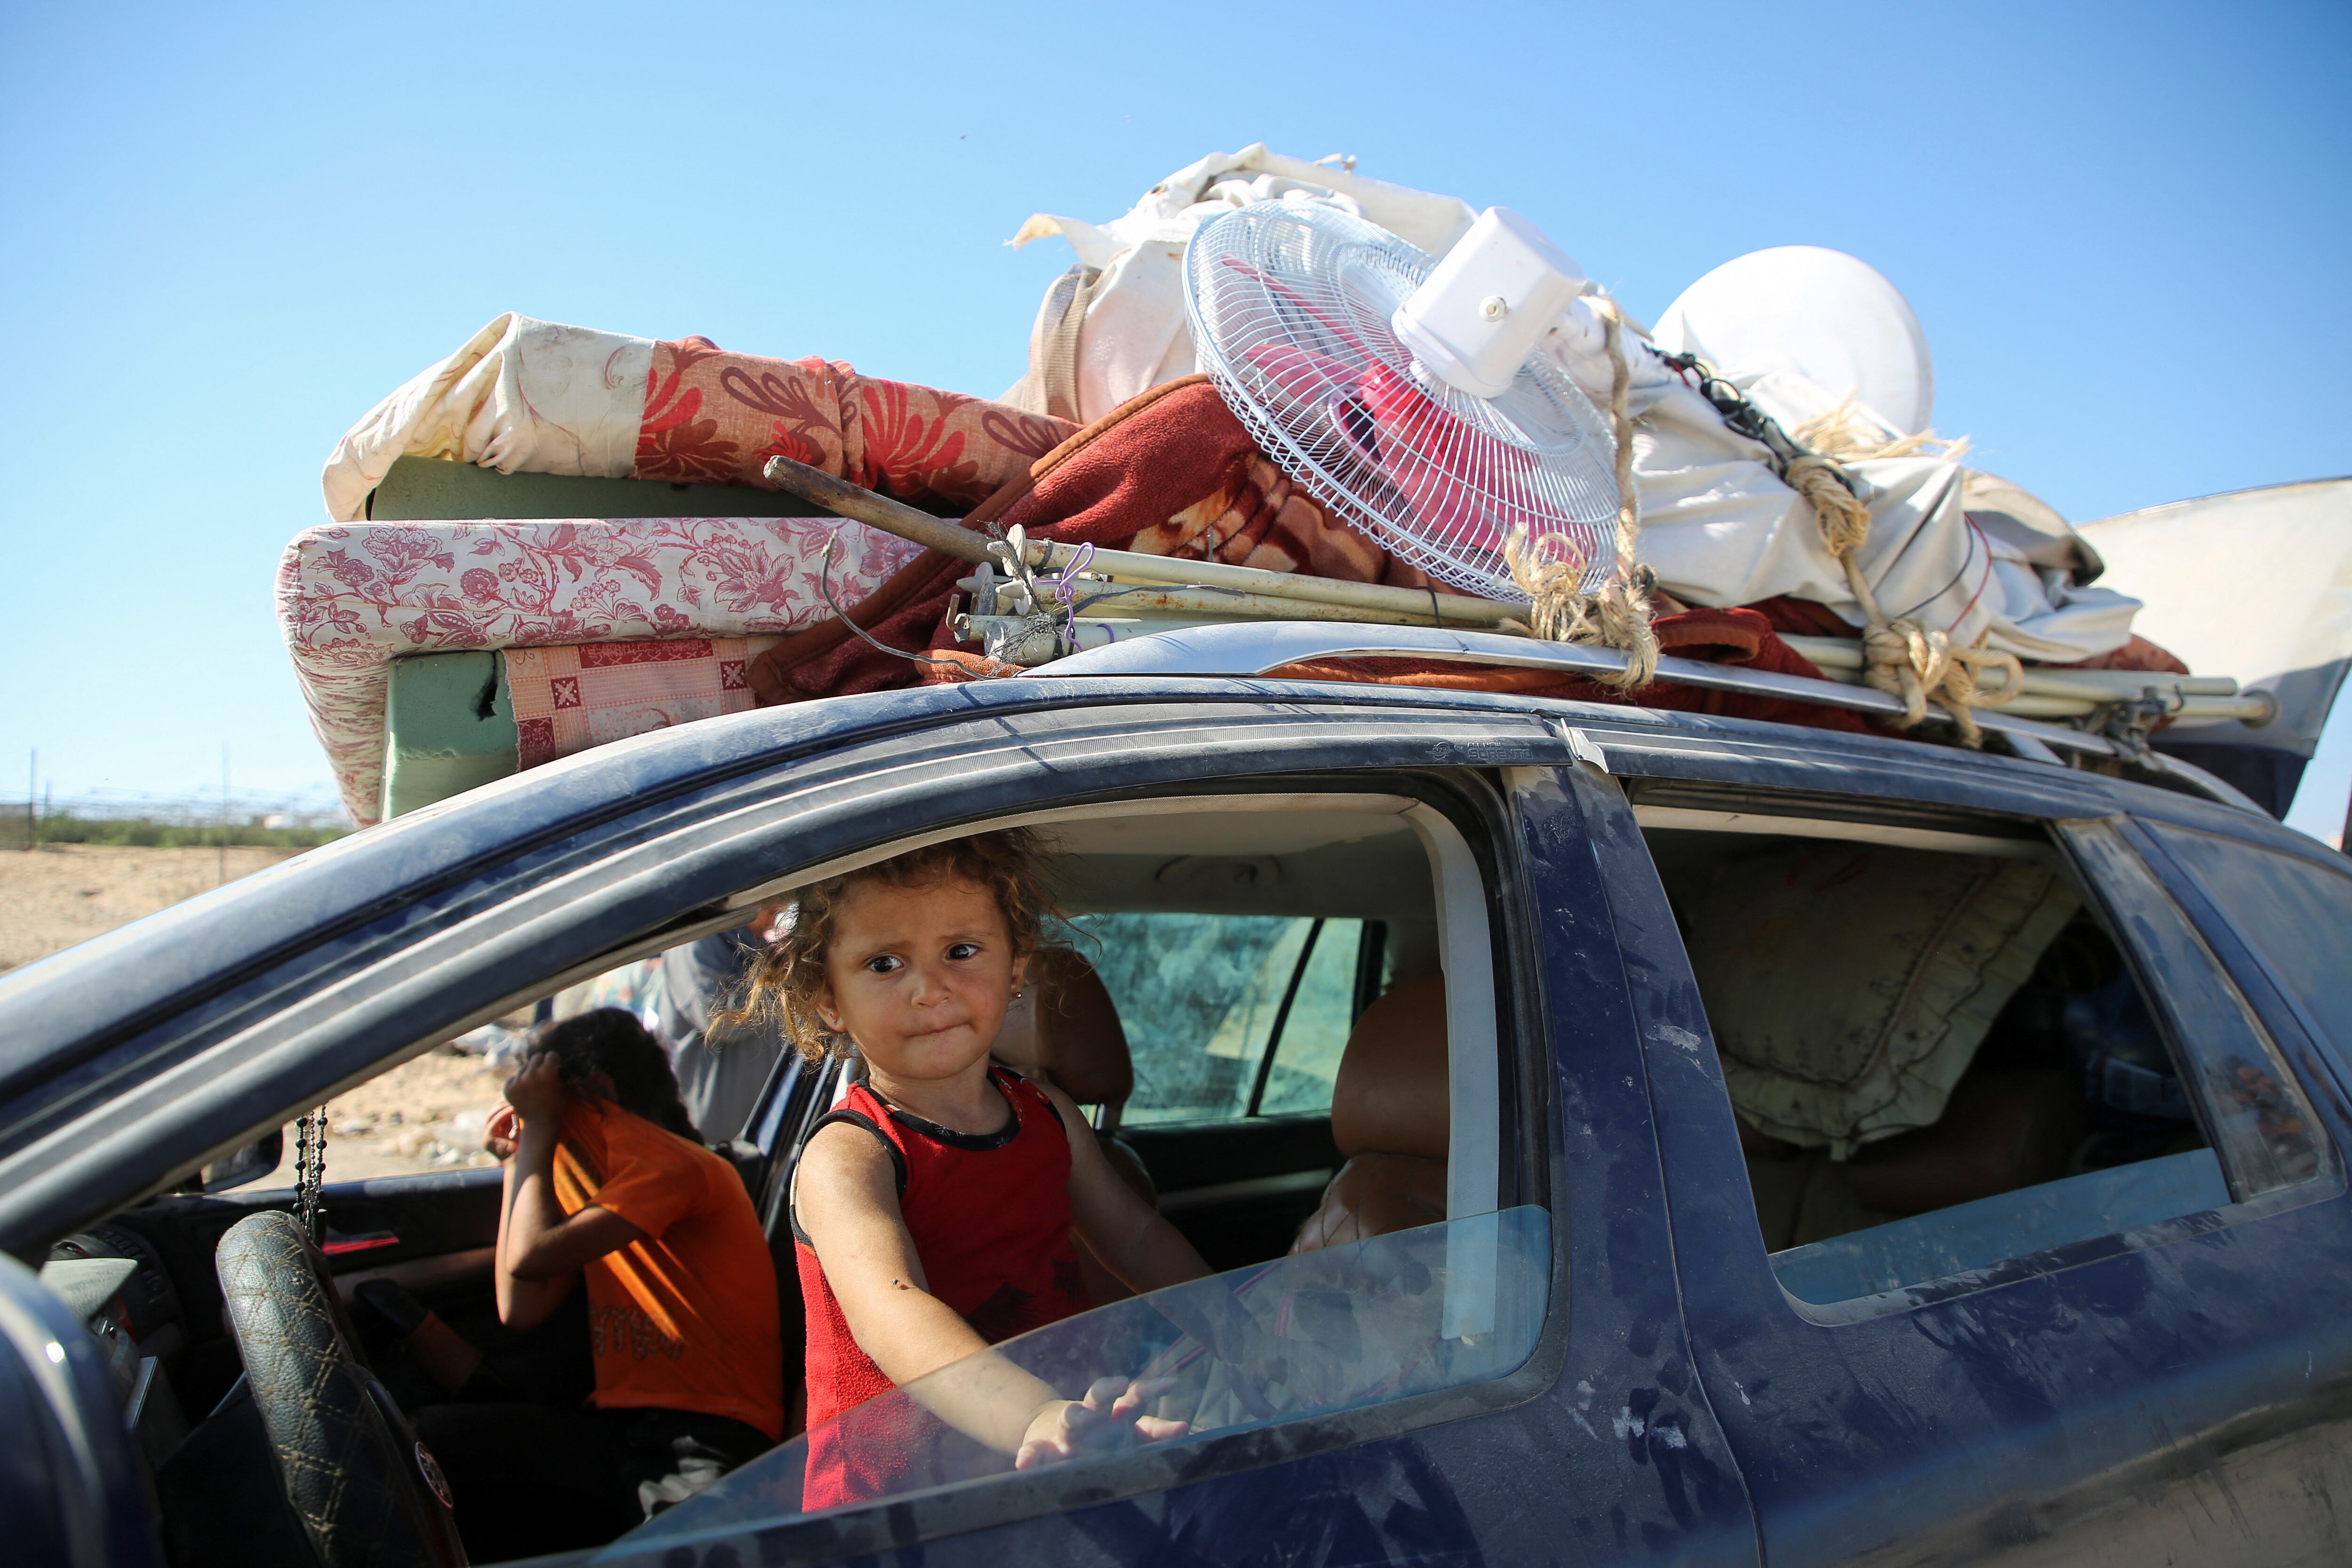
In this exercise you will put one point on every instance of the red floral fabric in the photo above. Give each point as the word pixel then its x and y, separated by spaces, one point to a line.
pixel 1170 472
pixel 714 418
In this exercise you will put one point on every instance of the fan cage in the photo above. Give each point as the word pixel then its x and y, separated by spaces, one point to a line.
pixel 1289 304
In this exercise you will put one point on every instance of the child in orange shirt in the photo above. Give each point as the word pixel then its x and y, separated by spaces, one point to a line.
pixel 933 1210
pixel 607 1185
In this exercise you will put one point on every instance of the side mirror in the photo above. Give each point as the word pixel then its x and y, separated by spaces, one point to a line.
pixel 249 1162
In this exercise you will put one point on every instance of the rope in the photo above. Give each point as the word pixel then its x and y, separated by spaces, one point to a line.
pixel 1846 434
pixel 1549 572
pixel 1900 657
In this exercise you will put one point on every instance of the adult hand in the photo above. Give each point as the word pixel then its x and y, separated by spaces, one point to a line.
pixel 1108 1419
pixel 502 1130
pixel 538 1092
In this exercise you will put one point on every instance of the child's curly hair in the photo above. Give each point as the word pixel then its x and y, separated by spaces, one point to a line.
pixel 784 984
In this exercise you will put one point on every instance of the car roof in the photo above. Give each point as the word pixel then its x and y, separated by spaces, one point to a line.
pixel 442 839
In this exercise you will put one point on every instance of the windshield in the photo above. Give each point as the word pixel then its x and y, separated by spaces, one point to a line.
pixel 1331 1329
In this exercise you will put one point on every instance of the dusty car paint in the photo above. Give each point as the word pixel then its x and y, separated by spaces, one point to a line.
pixel 2192 1388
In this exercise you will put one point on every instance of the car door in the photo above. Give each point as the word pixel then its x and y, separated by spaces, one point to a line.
pixel 1602 1444
pixel 1600 1441
pixel 2175 1392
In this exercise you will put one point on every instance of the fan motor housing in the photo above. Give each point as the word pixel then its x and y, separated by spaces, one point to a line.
pixel 1490 298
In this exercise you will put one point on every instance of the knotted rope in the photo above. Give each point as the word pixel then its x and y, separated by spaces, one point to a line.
pixel 1550 573
pixel 1900 657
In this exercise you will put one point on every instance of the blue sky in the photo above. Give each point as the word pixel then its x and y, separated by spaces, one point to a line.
pixel 228 230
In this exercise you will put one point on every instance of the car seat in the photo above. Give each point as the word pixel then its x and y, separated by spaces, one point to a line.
pixel 1390 1116
pixel 1065 1029
pixel 2001 1131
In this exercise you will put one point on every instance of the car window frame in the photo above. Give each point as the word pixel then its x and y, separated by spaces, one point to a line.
pixel 103 1119
pixel 1475 818
pixel 1261 1071
pixel 1765 778
pixel 2104 851
pixel 585 907
pixel 2300 1037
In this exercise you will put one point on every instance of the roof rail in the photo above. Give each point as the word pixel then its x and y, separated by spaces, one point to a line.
pixel 1257 647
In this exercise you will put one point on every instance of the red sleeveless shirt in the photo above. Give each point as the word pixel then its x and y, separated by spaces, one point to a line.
pixel 989 1217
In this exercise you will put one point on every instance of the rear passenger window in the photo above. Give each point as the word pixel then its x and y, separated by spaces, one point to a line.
pixel 1230 1016
pixel 1940 1058
pixel 2296 915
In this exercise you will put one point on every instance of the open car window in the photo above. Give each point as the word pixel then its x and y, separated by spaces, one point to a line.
pixel 1947 1054
pixel 1318 1333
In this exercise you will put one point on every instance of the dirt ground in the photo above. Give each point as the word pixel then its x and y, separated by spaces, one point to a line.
pixel 424 1115
pixel 59 894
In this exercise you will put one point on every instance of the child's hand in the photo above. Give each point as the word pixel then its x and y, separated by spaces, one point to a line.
pixel 501 1131
pixel 538 1091
pixel 1106 1421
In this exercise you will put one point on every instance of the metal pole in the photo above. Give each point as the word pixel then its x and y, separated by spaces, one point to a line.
pixel 223 879
pixel 32 818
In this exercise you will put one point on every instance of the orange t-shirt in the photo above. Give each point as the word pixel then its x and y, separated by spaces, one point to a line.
pixel 685 1319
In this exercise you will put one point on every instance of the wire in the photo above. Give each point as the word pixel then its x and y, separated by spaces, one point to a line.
pixel 824 586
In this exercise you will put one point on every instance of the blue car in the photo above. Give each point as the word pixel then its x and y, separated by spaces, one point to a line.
pixel 1622 1136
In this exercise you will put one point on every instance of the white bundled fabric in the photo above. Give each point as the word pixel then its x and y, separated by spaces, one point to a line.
pixel 2294 640
pixel 1719 527
pixel 1717 524
pixel 1131 335
pixel 520 394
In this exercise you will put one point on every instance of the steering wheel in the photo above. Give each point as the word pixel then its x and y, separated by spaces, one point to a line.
pixel 368 1494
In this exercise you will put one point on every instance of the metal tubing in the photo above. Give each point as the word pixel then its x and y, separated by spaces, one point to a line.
pixel 862 505
pixel 1219 604
pixel 2092 684
pixel 1260 646
pixel 1427 606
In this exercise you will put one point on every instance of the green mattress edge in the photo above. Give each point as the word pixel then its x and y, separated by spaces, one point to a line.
pixel 449 726
pixel 420 489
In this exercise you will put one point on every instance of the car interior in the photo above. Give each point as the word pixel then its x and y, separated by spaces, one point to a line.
pixel 1249 1002
pixel 1280 1014
pixel 1937 1056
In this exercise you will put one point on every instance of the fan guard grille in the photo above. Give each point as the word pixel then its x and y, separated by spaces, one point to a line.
pixel 1289 304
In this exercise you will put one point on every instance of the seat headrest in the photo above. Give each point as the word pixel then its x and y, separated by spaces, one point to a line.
pixel 1391 1096
pixel 1066 1027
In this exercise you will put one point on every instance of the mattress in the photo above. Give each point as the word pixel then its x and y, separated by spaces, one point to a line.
pixel 352 597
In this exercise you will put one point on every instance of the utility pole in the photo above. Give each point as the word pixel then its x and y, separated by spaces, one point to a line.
pixel 223 880
pixel 32 818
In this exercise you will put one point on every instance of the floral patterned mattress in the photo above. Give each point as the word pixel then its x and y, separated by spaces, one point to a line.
pixel 542 397
pixel 353 596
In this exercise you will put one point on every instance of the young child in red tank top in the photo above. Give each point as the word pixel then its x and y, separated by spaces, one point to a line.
pixel 933 1210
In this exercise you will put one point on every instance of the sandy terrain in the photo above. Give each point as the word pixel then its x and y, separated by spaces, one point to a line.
pixel 424 1115
pixel 61 894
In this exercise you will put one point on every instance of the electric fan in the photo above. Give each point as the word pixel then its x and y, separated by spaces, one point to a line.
pixel 1399 389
